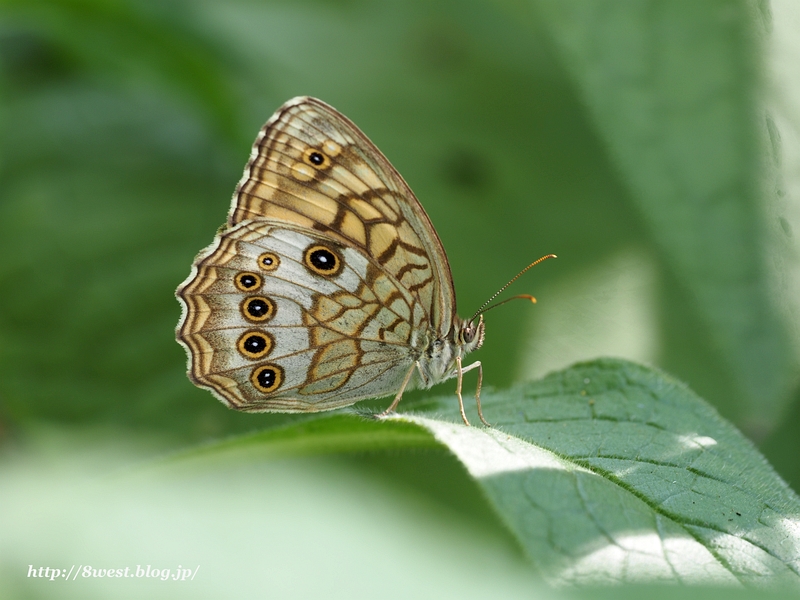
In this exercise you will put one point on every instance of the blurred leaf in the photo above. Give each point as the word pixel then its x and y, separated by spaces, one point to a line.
pixel 130 43
pixel 108 214
pixel 605 472
pixel 313 527
pixel 782 447
pixel 323 434
pixel 671 88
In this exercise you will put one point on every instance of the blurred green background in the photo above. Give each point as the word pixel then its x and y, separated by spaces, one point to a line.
pixel 652 145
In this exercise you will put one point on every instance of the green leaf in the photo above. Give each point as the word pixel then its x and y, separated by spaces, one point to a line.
pixel 605 472
pixel 671 89
pixel 611 471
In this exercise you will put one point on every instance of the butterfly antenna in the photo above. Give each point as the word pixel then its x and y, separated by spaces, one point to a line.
pixel 483 308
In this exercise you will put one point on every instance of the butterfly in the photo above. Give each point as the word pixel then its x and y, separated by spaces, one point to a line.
pixel 328 284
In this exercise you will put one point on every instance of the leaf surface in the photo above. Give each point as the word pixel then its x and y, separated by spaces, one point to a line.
pixel 606 472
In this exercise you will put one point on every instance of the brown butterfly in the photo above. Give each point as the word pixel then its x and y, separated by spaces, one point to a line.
pixel 328 284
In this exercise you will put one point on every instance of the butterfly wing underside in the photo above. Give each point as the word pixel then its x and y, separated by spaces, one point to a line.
pixel 326 278
pixel 356 194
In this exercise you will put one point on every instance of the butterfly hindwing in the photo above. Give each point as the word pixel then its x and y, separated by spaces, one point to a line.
pixel 320 336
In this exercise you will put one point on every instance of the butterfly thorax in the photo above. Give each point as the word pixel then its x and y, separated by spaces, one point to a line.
pixel 439 360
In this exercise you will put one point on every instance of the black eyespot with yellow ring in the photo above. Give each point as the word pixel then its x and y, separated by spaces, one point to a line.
pixel 247 282
pixel 258 309
pixel 323 260
pixel 267 378
pixel 316 159
pixel 269 261
pixel 255 344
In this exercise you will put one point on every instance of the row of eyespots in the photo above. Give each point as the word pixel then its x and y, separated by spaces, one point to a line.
pixel 256 345
pixel 248 281
pixel 322 260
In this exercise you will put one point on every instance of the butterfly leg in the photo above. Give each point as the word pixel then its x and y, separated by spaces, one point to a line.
pixel 478 393
pixel 461 371
pixel 399 395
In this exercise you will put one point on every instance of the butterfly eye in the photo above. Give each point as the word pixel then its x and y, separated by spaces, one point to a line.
pixel 247 281
pixel 267 378
pixel 323 260
pixel 255 344
pixel 316 159
pixel 258 308
pixel 269 261
pixel 468 334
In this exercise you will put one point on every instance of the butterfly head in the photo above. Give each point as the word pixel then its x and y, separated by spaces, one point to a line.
pixel 439 360
pixel 470 334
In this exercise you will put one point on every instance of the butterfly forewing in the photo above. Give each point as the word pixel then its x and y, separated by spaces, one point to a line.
pixel 354 193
